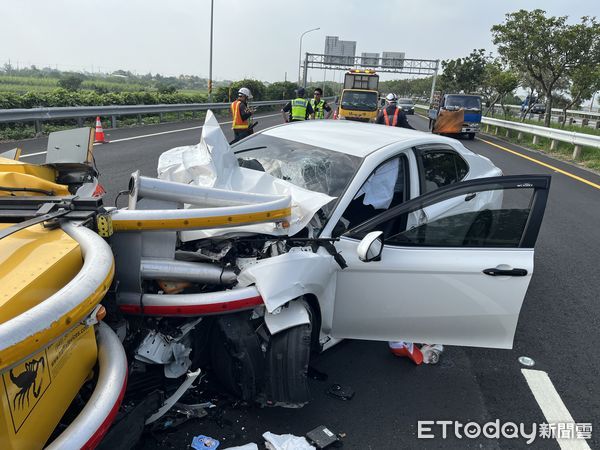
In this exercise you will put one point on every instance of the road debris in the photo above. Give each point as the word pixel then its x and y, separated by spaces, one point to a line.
pixel 340 392
pixel 168 404
pixel 322 437
pixel 286 442
pixel 204 443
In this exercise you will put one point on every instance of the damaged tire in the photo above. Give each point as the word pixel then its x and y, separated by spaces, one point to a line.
pixel 236 356
pixel 286 366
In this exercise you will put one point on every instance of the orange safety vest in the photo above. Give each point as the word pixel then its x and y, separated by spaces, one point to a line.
pixel 387 117
pixel 238 123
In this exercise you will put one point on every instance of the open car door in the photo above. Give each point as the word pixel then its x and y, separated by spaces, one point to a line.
pixel 457 277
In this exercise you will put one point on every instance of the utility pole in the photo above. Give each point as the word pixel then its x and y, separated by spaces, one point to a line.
pixel 212 4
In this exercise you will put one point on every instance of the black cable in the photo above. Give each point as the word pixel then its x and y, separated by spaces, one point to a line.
pixel 118 195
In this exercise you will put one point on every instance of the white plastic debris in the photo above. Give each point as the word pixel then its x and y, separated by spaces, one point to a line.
pixel 286 442
pixel 250 446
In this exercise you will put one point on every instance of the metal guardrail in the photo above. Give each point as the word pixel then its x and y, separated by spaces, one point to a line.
pixel 555 135
pixel 558 110
pixel 39 115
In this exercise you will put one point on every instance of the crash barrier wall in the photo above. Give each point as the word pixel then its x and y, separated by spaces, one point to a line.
pixel 40 115
pixel 555 135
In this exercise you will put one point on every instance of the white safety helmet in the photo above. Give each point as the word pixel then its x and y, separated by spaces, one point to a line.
pixel 391 98
pixel 245 91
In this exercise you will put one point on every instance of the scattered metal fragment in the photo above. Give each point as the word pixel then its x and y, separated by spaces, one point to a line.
pixel 168 404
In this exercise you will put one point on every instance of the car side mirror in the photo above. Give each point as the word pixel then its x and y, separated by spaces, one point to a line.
pixel 371 246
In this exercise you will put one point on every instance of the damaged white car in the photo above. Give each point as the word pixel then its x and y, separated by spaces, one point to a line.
pixel 249 259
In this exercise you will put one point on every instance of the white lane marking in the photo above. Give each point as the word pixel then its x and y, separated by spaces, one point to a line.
pixel 152 134
pixel 552 406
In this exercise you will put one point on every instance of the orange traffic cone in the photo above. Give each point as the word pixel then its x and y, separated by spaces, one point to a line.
pixel 100 139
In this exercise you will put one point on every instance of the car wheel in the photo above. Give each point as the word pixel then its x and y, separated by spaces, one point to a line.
pixel 236 356
pixel 286 366
pixel 471 136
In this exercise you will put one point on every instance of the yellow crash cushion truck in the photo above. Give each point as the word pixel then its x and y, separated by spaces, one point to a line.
pixel 360 95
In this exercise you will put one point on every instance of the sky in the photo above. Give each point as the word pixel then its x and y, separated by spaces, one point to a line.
pixel 252 38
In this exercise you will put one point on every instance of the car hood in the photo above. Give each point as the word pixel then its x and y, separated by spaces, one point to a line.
pixel 212 163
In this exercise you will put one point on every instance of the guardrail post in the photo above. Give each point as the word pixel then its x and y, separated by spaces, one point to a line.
pixel 570 121
pixel 536 139
pixel 160 117
pixel 113 121
pixel 487 128
pixel 597 124
pixel 520 136
pixel 178 115
pixel 553 144
pixel 38 127
pixel 507 133
pixel 139 119
pixel 561 119
pixel 496 131
pixel 193 114
pixel 80 122
pixel 585 122
pixel 577 152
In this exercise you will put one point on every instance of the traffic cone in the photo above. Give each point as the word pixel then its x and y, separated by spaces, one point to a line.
pixel 99 139
pixel 335 114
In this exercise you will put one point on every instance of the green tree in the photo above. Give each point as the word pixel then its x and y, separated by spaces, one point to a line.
pixel 464 74
pixel 71 82
pixel 546 48
pixel 166 88
pixel 280 90
pixel 585 81
pixel 498 83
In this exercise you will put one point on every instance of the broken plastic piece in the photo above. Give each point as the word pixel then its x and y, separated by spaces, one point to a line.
pixel 249 446
pixel 204 443
pixel 195 411
pixel 341 392
pixel 168 404
pixel 406 349
pixel 286 442
pixel 322 437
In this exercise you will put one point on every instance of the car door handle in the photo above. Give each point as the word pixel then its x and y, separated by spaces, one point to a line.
pixel 503 272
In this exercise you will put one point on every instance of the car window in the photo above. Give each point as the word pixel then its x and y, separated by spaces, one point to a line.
pixel 485 217
pixel 387 186
pixel 440 168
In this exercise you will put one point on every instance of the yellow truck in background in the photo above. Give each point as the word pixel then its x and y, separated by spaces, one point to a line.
pixel 360 96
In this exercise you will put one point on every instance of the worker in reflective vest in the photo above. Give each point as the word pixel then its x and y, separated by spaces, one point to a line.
pixel 241 113
pixel 391 115
pixel 319 105
pixel 298 109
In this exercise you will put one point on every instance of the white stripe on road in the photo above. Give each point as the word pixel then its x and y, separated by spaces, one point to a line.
pixel 153 134
pixel 552 406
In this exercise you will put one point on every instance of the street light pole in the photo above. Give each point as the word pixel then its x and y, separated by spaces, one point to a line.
pixel 212 3
pixel 300 52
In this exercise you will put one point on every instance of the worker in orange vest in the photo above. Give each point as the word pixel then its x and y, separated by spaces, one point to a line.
pixel 391 115
pixel 241 114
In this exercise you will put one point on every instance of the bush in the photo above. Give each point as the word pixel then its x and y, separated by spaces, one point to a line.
pixel 62 97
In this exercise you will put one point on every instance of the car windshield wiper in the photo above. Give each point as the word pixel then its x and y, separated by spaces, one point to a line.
pixel 251 148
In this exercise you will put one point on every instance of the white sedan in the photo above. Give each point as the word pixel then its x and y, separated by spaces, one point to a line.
pixel 394 235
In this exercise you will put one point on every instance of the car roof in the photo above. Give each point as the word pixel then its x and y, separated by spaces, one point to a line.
pixel 345 136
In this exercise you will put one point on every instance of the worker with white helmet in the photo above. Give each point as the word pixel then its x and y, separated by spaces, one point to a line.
pixel 241 113
pixel 391 115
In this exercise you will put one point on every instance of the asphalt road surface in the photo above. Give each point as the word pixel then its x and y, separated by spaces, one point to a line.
pixel 558 328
